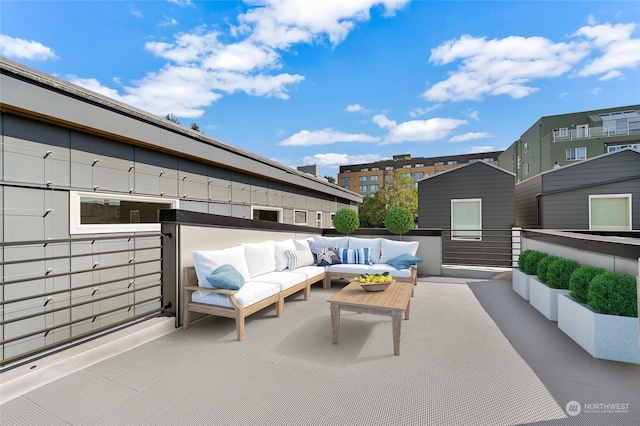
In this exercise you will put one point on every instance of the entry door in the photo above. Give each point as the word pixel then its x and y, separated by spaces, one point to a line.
pixel 582 131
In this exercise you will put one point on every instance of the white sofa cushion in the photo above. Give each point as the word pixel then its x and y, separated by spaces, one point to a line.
pixel 391 249
pixel 251 292
pixel 260 257
pixel 332 242
pixel 299 258
pixel 285 279
pixel 348 268
pixel 206 262
pixel 302 244
pixel 372 243
pixel 383 267
pixel 311 271
pixel 281 247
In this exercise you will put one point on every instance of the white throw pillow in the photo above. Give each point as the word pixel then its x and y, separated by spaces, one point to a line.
pixel 302 244
pixel 299 258
pixel 208 261
pixel 260 257
pixel 281 248
pixel 334 242
pixel 372 243
pixel 391 249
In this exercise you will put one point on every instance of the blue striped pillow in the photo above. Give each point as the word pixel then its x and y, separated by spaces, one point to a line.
pixel 358 256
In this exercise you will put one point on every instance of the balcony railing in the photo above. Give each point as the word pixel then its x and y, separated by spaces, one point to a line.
pixel 594 132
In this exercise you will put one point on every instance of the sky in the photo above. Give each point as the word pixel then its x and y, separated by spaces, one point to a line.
pixel 336 82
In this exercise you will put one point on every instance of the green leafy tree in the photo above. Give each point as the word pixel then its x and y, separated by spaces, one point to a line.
pixel 172 118
pixel 346 221
pixel 194 126
pixel 372 212
pixel 330 179
pixel 399 220
pixel 398 190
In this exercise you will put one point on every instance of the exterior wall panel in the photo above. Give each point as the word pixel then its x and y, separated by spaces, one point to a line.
pixel 526 202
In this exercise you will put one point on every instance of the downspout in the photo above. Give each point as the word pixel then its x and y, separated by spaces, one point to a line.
pixel 538 198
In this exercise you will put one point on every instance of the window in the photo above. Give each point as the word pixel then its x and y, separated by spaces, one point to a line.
pixel 373 188
pixel 97 213
pixel 526 147
pixel 466 219
pixel 623 122
pixel 375 169
pixel 319 219
pixel 389 168
pixel 474 160
pixel 345 182
pixel 439 163
pixel 488 159
pixel 614 148
pixel 452 162
pixel 373 178
pixel 562 132
pixel 347 171
pixel 519 162
pixel 576 154
pixel 582 131
pixel 526 168
pixel 366 169
pixel 418 175
pixel 406 166
pixel 610 212
pixel 363 179
pixel 363 189
pixel 332 216
pixel 300 217
pixel 418 165
pixel 512 157
pixel 270 214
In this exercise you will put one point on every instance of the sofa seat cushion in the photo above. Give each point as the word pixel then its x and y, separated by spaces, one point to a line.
pixel 311 271
pixel 348 268
pixel 383 267
pixel 250 293
pixel 285 279
pixel 260 257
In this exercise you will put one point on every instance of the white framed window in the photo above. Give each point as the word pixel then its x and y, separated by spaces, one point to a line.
pixel 582 131
pixel 526 147
pixel 418 165
pixel 439 163
pixel 300 217
pixel 466 219
pixel 562 132
pixel 406 166
pixel 373 188
pixel 452 162
pixel 364 179
pixel 363 189
pixel 610 212
pixel 614 148
pixel 270 214
pixel 511 157
pixel 574 154
pixel 388 168
pixel 318 219
pixel 365 169
pixel 526 168
pixel 93 213
pixel 332 216
pixel 375 169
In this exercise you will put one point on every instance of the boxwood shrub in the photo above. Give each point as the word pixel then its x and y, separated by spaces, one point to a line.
pixel 523 258
pixel 580 280
pixel 543 266
pixel 531 262
pixel 614 294
pixel 559 272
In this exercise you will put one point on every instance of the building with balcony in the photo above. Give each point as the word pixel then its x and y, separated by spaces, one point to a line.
pixel 365 179
pixel 563 139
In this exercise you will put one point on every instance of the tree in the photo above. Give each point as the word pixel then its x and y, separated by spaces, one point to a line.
pixel 399 190
pixel 346 221
pixel 330 179
pixel 172 118
pixel 194 126
pixel 399 220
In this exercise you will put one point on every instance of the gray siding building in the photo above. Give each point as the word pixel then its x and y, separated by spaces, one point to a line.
pixel 83 178
pixel 475 205
pixel 599 194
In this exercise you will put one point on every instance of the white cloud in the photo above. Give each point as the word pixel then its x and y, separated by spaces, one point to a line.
pixel 475 115
pixel 326 137
pixel 480 149
pixel 470 136
pixel 335 160
pixel 619 49
pixel 168 21
pixel 135 12
pixel 416 112
pixel 18 48
pixel 357 108
pixel 429 130
pixel 596 90
pixel 500 66
pixel 182 3
pixel 610 75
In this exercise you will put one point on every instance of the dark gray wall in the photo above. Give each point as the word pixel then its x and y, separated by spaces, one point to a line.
pixel 526 202
pixel 565 199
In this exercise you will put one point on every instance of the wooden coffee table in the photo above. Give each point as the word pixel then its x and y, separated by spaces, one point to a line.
pixel 393 302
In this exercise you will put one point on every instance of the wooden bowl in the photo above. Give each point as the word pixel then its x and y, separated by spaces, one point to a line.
pixel 375 286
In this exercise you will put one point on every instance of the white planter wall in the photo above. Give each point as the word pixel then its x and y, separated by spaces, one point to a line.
pixel 603 336
pixel 544 298
pixel 520 283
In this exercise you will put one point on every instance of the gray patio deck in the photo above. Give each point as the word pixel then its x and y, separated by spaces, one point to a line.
pixel 472 353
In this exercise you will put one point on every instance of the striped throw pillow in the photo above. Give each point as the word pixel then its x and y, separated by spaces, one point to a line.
pixel 299 258
pixel 358 256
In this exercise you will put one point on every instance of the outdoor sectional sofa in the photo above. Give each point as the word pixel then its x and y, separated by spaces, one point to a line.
pixel 272 271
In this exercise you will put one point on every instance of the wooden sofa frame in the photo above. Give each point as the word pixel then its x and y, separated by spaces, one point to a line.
pixel 239 312
pixel 413 278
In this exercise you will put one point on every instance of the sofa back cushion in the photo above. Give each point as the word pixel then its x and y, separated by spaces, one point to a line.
pixel 356 256
pixel 335 242
pixel 260 257
pixel 281 248
pixel 373 244
pixel 391 249
pixel 206 262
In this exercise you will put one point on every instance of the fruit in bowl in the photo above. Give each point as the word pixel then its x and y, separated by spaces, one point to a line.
pixel 377 278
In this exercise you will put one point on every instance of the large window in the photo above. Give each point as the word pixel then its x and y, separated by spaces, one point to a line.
pixel 576 154
pixel 466 219
pixel 373 178
pixel 610 212
pixel 97 212
pixel 364 179
pixel 620 123
pixel 614 148
pixel 300 217
pixel 345 182
pixel 270 214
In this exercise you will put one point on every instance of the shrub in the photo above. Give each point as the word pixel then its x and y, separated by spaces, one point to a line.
pixel 614 294
pixel 543 266
pixel 399 220
pixel 346 221
pixel 559 272
pixel 580 280
pixel 523 258
pixel 531 262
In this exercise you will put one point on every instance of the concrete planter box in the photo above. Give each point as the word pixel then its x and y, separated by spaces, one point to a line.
pixel 520 283
pixel 544 298
pixel 603 336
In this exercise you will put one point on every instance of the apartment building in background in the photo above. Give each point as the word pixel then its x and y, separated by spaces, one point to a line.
pixel 559 140
pixel 365 179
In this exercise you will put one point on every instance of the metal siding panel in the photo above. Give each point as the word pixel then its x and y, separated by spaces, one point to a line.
pixel 24 214
pixel 220 209
pixel 239 193
pixel 193 180
pixel 241 211
pixel 195 206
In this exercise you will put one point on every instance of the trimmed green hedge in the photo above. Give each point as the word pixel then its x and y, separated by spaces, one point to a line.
pixel 559 273
pixel 580 280
pixel 523 258
pixel 543 266
pixel 346 221
pixel 531 262
pixel 399 220
pixel 614 294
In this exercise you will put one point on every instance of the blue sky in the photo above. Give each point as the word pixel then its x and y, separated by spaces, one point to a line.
pixel 340 82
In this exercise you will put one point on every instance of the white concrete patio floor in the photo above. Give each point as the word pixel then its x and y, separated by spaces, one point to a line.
pixel 472 353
